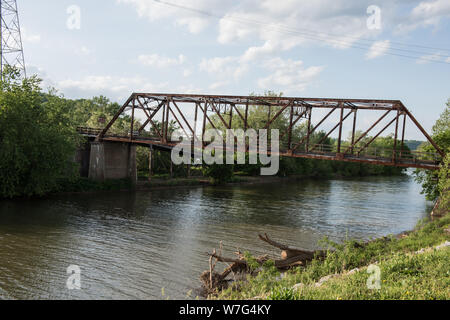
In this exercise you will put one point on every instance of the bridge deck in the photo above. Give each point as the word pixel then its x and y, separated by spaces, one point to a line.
pixel 406 159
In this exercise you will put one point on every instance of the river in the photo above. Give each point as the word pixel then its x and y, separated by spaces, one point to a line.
pixel 152 244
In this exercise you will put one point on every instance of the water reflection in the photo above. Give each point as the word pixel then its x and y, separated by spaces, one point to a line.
pixel 131 245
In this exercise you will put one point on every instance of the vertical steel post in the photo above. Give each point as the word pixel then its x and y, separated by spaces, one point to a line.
pixel 246 117
pixel 204 122
pixel 230 125
pixel 309 129
pixel 291 121
pixel 394 158
pixel 354 130
pixel 403 135
pixel 132 120
pixel 195 121
pixel 166 136
pixel 340 128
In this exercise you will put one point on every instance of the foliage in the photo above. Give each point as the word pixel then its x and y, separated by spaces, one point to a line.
pixel 87 185
pixel 444 185
pixel 97 113
pixel 219 173
pixel 441 135
pixel 37 141
pixel 413 144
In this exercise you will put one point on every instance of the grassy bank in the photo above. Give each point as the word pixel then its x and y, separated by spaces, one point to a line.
pixel 343 274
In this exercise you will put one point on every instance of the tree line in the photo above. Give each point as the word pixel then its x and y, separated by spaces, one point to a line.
pixel 38 141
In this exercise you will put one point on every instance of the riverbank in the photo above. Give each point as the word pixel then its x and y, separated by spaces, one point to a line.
pixel 410 267
pixel 202 181
pixel 84 185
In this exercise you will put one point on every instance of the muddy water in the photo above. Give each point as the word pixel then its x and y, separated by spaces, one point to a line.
pixel 132 245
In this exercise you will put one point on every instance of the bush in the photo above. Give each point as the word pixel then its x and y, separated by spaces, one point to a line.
pixel 37 141
pixel 220 173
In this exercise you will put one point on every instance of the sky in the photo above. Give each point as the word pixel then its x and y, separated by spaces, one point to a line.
pixel 374 49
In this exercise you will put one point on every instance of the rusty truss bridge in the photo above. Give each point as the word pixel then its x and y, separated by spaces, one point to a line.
pixel 362 120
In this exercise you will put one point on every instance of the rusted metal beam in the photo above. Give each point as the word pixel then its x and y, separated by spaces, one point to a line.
pixel 313 130
pixel 219 115
pixel 331 131
pixel 371 104
pixel 340 127
pixel 376 136
pixel 169 103
pixel 178 121
pixel 291 120
pixel 394 155
pixel 166 122
pixel 150 118
pixel 403 135
pixel 275 117
pixel 423 131
pixel 354 129
pixel 116 116
pixel 184 118
pixel 132 121
pixel 367 132
pixel 294 123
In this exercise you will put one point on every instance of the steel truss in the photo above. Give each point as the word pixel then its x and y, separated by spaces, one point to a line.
pixel 169 108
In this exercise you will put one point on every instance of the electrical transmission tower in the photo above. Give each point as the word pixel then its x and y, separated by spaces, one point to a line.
pixel 11 49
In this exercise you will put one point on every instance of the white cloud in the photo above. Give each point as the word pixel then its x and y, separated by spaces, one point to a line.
pixel 288 75
pixel 426 13
pixel 29 37
pixel 83 51
pixel 218 85
pixel 430 11
pixel 117 87
pixel 195 22
pixel 187 73
pixel 283 25
pixel 155 60
pixel 224 67
pixel 255 53
pixel 378 49
pixel 438 56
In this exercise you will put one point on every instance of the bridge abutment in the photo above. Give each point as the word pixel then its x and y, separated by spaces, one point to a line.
pixel 112 160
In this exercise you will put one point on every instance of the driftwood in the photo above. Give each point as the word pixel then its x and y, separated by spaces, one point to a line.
pixel 291 257
pixel 239 268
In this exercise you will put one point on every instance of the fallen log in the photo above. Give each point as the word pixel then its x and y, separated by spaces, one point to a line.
pixel 292 256
pixel 239 267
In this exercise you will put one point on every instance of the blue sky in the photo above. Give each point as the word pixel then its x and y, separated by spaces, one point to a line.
pixel 321 48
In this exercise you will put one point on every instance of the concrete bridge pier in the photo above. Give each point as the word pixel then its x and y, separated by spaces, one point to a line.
pixel 112 160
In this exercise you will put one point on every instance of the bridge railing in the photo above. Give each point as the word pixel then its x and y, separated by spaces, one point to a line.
pixel 406 156
pixel 88 131
pixel 375 153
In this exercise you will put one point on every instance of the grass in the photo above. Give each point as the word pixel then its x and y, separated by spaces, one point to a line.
pixel 404 275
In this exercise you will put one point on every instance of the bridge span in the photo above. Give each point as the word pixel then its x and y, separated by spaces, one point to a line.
pixel 366 120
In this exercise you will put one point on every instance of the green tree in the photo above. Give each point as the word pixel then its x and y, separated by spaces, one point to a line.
pixel 444 185
pixel 441 135
pixel 37 138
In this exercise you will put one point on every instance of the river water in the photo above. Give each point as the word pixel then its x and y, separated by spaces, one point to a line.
pixel 152 244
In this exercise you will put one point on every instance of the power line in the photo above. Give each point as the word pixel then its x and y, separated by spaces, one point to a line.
pixel 325 37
